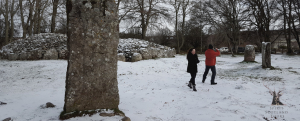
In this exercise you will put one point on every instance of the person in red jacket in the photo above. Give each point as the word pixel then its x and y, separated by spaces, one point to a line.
pixel 210 63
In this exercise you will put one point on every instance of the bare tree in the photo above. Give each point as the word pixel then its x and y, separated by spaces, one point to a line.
pixel 24 26
pixel 1 26
pixel 296 19
pixel 149 11
pixel 184 6
pixel 5 13
pixel 198 19
pixel 28 25
pixel 226 17
pixel 285 12
pixel 13 11
pixel 54 13
pixel 176 5
pixel 261 12
pixel 126 9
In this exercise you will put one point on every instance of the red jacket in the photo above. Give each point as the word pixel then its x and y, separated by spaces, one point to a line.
pixel 211 57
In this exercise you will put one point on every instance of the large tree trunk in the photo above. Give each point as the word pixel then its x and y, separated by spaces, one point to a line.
pixel 285 23
pixel 11 28
pixel 91 78
pixel 30 20
pixel 182 31
pixel 41 14
pixel 184 10
pixel 143 21
pixel 290 18
pixel 24 26
pixel 297 10
pixel 36 17
pixel 6 23
pixel 177 7
pixel 12 14
pixel 53 23
pixel 296 34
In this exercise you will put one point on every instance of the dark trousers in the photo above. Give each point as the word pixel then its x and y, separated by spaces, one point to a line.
pixel 213 70
pixel 193 76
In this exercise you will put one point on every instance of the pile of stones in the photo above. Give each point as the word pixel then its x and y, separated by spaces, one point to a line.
pixel 40 46
pixel 51 46
pixel 131 50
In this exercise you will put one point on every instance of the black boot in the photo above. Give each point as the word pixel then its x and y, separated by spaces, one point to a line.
pixel 203 80
pixel 194 88
pixel 190 85
pixel 214 83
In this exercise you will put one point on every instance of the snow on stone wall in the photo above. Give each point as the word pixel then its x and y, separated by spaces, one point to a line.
pixel 43 46
pixel 147 49
pixel 35 47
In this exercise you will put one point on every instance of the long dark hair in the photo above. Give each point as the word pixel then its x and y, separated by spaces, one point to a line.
pixel 189 52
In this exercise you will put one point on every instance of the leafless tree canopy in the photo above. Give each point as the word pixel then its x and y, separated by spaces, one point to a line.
pixel 193 23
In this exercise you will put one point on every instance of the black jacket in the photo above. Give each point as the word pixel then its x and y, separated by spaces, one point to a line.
pixel 193 61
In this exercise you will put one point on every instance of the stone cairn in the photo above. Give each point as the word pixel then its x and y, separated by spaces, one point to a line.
pixel 54 46
pixel 36 47
pixel 249 55
pixel 132 50
pixel 266 55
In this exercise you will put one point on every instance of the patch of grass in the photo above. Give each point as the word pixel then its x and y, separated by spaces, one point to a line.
pixel 291 54
pixel 63 115
pixel 295 72
pixel 239 54
pixel 252 77
pixel 117 111
pixel 273 68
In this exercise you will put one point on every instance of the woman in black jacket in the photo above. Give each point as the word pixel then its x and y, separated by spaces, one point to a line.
pixel 192 67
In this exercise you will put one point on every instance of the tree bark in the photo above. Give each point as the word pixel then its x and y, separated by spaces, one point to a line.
pixel 30 17
pixel 6 23
pixel 290 18
pixel 12 14
pixel 184 10
pixel 176 6
pixel 24 26
pixel 53 22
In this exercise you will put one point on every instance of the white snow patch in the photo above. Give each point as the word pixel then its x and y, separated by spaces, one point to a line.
pixel 156 90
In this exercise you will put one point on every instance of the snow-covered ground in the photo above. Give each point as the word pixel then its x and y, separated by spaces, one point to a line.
pixel 155 90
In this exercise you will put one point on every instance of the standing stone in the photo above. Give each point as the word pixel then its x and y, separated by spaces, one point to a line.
pixel 266 55
pixel 93 37
pixel 249 55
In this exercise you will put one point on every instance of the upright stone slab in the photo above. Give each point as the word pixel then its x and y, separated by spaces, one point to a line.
pixel 93 37
pixel 249 55
pixel 266 55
